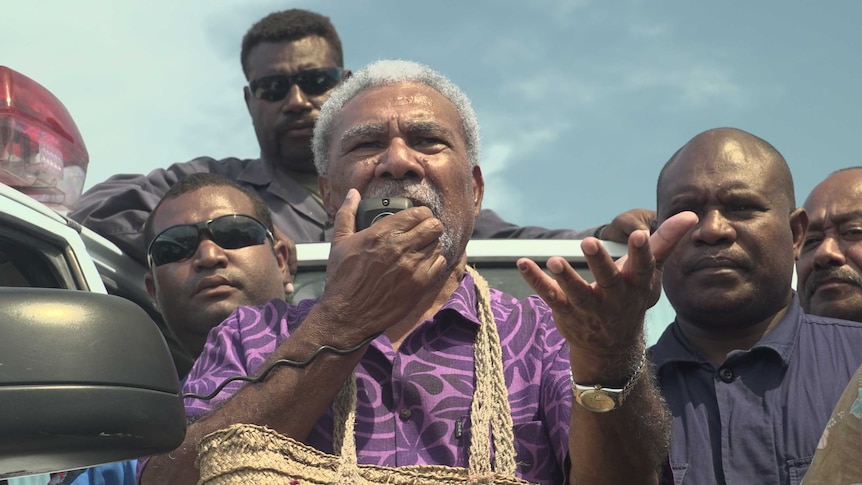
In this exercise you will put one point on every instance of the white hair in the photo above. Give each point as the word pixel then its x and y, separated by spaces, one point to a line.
pixel 390 72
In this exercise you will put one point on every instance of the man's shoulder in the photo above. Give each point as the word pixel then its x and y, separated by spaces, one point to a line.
pixel 229 166
pixel 489 225
pixel 524 316
pixel 502 301
pixel 277 315
pixel 827 324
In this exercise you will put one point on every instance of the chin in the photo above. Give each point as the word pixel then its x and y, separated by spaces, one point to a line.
pixel 295 157
pixel 844 310
pixel 219 311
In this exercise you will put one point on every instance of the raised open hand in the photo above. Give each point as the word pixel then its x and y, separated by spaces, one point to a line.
pixel 606 317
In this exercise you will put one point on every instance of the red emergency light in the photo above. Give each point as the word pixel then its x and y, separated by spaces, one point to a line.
pixel 41 150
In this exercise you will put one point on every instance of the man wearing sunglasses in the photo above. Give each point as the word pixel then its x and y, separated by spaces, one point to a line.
pixel 292 60
pixel 211 249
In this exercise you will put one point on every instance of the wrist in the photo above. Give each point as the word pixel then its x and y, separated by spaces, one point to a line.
pixel 601 398
pixel 611 369
pixel 326 324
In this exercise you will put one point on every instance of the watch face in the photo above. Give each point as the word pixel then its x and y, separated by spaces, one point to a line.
pixel 596 401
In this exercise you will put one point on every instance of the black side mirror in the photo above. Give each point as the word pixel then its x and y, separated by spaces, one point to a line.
pixel 85 379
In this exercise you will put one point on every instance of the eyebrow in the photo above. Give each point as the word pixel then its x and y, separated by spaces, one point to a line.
pixel 432 128
pixel 842 218
pixel 365 131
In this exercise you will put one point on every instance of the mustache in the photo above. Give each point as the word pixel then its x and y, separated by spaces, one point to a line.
pixel 292 119
pixel 420 193
pixel 841 274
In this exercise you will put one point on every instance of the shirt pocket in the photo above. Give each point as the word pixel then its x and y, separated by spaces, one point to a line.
pixel 796 469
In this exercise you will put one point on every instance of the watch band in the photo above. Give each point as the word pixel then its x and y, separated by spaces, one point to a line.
pixel 616 395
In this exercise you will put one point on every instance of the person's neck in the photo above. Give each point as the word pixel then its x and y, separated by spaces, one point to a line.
pixel 428 306
pixel 716 341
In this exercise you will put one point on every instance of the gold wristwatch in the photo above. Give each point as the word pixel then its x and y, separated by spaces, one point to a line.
pixel 599 399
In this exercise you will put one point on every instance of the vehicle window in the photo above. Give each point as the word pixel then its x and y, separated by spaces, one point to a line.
pixel 28 262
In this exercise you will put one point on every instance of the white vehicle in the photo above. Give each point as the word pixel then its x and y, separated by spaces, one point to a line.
pixel 85 377
pixel 495 259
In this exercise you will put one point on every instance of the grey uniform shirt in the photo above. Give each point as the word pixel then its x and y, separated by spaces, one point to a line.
pixel 118 207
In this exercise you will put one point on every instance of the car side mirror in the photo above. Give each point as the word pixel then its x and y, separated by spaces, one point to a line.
pixel 85 379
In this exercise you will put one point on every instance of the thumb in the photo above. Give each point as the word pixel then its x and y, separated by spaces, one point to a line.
pixel 665 237
pixel 345 217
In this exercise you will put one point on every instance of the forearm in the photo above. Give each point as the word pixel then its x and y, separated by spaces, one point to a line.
pixel 290 400
pixel 627 445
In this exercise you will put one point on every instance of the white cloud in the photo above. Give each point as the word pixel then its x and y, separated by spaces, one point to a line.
pixel 551 85
pixel 506 143
pixel 692 84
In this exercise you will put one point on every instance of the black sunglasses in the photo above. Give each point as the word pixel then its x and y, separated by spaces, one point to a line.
pixel 232 231
pixel 312 82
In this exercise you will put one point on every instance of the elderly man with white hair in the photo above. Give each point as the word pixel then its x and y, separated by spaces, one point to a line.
pixel 422 335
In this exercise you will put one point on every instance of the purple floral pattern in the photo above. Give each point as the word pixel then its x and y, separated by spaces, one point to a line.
pixel 414 404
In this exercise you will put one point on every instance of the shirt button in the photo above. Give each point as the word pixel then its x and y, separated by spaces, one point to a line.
pixel 726 374
pixel 405 414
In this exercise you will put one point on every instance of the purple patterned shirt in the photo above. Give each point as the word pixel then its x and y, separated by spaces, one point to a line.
pixel 414 404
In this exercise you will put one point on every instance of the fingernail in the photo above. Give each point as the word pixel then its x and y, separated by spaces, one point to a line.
pixel 590 248
pixel 641 240
pixel 522 266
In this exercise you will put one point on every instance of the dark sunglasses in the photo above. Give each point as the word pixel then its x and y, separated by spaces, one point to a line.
pixel 312 82
pixel 232 231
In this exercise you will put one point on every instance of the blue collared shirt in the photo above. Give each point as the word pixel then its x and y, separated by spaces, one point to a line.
pixel 757 418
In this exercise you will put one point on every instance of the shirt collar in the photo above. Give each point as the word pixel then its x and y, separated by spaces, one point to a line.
pixel 262 173
pixel 460 306
pixel 672 346
pixel 463 301
pixel 783 338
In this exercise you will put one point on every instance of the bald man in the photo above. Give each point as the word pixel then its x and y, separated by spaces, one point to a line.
pixel 750 379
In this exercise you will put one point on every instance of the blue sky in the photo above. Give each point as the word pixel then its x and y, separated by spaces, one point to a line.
pixel 580 102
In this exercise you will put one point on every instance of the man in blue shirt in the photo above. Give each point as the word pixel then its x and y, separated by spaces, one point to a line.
pixel 749 378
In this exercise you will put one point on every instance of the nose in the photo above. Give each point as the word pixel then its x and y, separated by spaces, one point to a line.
pixel 400 162
pixel 296 101
pixel 714 229
pixel 209 254
pixel 828 253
